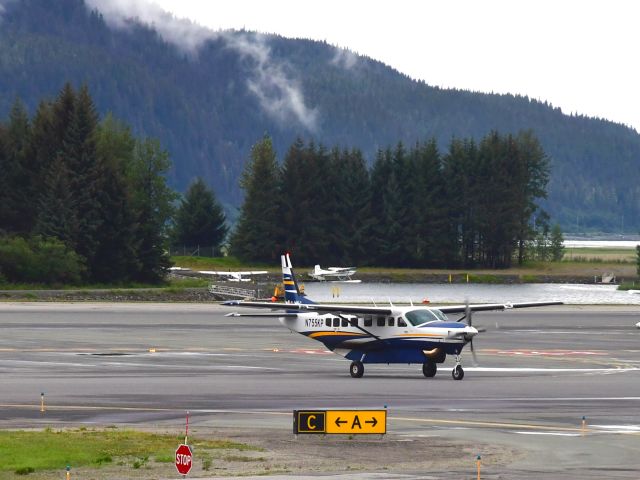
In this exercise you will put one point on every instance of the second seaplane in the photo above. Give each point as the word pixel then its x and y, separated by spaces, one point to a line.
pixel 379 334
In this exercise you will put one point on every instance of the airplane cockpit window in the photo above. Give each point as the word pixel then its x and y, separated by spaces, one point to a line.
pixel 418 317
pixel 401 322
pixel 440 315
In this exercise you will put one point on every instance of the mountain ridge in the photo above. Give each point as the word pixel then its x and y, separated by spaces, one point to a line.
pixel 208 108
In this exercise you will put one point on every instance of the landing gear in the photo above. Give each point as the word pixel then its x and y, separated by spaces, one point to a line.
pixel 457 373
pixel 356 369
pixel 429 369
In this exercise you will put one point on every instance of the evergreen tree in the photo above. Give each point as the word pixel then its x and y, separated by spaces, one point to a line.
pixel 116 250
pixel 200 220
pixel 256 237
pixel 315 198
pixel 45 148
pixel 79 152
pixel 56 208
pixel 532 187
pixel 430 232
pixel 387 205
pixel 152 204
pixel 462 173
pixel 349 204
pixel 16 213
pixel 5 204
pixel 294 200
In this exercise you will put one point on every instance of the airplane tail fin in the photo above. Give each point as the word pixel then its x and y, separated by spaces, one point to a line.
pixel 291 289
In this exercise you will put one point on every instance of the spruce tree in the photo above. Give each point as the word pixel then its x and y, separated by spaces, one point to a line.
pixel 115 257
pixel 256 237
pixel 56 208
pixel 152 204
pixel 15 197
pixel 200 220
pixel 295 202
pixel 430 230
pixel 79 151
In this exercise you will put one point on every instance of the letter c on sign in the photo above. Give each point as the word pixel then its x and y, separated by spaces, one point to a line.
pixel 309 424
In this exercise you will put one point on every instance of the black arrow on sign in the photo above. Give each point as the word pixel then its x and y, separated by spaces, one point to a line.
pixel 338 422
pixel 373 422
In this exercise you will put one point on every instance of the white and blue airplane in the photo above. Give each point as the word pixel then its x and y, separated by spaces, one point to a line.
pixel 365 335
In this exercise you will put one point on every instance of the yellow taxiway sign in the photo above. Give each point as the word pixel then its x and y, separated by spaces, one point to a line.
pixel 348 422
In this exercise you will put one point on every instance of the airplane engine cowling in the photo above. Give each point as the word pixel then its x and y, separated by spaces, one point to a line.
pixel 436 355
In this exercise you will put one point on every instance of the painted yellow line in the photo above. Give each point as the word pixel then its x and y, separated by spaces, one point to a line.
pixel 472 423
pixel 476 423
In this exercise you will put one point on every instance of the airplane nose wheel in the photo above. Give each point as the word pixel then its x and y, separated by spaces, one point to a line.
pixel 356 369
pixel 457 373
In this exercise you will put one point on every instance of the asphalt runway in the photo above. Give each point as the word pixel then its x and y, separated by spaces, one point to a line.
pixel 541 370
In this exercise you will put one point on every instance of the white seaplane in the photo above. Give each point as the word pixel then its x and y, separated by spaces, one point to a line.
pixel 229 276
pixel 334 274
pixel 393 334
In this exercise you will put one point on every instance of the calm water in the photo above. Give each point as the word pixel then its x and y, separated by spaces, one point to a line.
pixel 457 293
pixel 601 243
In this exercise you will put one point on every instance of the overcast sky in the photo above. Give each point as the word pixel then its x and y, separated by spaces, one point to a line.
pixel 580 55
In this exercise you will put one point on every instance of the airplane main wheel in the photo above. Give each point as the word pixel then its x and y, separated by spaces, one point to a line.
pixel 457 373
pixel 357 369
pixel 429 369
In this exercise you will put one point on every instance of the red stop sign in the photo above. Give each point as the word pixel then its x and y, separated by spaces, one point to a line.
pixel 184 459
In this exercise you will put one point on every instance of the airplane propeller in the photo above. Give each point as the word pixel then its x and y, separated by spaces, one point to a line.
pixel 468 316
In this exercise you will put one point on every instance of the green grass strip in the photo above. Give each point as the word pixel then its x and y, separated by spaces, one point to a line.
pixel 55 449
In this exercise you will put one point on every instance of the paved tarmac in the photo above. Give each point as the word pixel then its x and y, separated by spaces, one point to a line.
pixel 541 370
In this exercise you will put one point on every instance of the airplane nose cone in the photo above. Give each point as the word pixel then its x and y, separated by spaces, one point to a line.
pixel 470 332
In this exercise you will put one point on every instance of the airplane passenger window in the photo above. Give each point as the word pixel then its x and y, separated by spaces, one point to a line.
pixel 381 322
pixel 392 321
pixel 336 322
pixel 401 323
pixel 368 321
pixel 345 322
pixel 328 322
pixel 353 322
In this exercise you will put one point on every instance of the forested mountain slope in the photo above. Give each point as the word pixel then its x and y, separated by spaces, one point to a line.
pixel 210 102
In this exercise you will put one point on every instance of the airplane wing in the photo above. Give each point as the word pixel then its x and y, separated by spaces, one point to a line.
pixel 354 309
pixel 492 306
pixel 265 314
pixel 312 307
